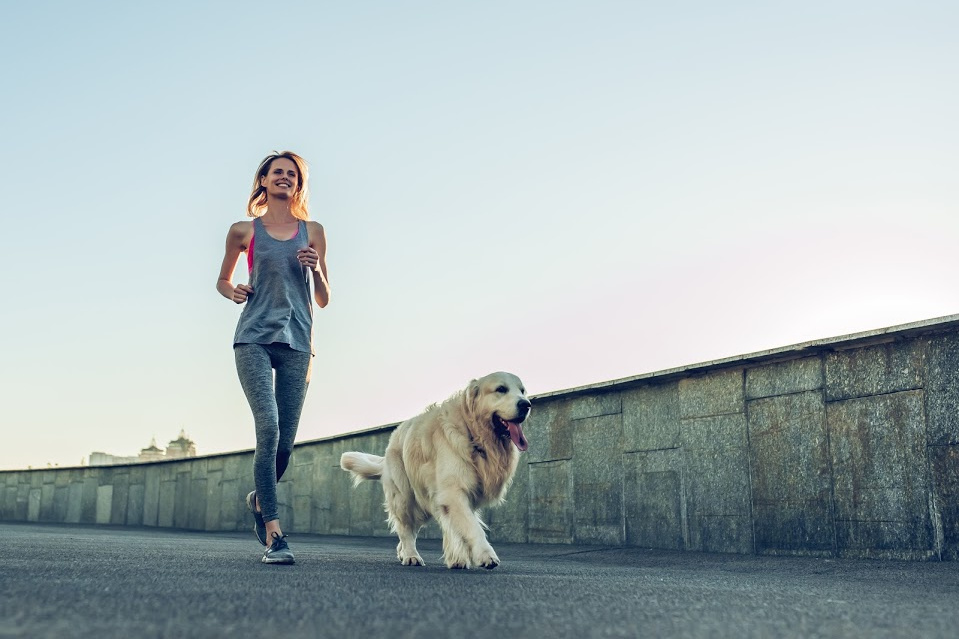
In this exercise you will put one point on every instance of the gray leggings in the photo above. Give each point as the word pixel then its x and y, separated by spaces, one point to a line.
pixel 276 410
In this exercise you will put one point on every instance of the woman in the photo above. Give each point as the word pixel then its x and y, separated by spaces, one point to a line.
pixel 285 251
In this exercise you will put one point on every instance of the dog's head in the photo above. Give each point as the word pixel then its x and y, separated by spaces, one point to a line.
pixel 499 399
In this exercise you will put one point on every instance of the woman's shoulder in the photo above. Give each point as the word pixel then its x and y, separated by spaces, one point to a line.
pixel 242 227
pixel 315 229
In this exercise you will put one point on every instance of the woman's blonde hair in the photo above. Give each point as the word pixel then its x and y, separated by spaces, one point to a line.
pixel 300 206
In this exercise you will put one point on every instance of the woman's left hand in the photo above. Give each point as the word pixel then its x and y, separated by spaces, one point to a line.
pixel 308 257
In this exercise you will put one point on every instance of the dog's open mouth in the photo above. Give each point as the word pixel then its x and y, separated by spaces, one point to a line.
pixel 510 430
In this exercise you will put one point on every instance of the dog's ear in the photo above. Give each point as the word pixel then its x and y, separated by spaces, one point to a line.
pixel 472 392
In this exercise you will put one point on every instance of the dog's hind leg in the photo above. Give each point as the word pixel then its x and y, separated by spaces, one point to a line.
pixel 405 518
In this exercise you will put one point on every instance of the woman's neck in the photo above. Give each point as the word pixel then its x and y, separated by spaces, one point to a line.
pixel 278 212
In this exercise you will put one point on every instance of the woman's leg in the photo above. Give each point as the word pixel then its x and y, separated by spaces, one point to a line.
pixel 255 371
pixel 292 380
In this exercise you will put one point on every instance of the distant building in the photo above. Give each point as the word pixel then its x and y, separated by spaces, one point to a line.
pixel 106 459
pixel 152 452
pixel 179 448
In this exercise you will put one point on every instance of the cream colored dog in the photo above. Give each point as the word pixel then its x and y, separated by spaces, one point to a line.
pixel 447 463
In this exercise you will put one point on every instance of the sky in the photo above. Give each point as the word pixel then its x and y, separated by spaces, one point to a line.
pixel 572 191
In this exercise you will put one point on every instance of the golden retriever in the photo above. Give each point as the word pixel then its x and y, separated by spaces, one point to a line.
pixel 447 463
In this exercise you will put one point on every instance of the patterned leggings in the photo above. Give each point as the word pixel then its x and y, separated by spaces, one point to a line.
pixel 276 407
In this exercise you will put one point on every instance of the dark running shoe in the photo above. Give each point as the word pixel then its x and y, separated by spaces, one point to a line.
pixel 278 552
pixel 259 528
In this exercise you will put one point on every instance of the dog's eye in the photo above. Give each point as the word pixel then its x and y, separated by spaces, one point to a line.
pixel 501 389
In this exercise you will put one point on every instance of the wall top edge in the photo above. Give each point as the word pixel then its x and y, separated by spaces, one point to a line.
pixel 783 353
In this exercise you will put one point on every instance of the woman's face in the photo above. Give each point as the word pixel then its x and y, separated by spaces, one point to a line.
pixel 281 179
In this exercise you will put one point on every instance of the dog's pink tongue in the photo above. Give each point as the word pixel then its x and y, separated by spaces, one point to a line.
pixel 516 434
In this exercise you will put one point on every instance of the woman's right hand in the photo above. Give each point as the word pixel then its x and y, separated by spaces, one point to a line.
pixel 241 293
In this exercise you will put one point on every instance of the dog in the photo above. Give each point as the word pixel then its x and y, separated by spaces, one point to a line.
pixel 447 463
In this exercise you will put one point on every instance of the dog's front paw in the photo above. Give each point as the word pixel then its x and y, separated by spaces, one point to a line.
pixel 413 560
pixel 488 560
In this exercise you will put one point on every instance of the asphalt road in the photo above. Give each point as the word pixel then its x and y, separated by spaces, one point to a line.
pixel 86 581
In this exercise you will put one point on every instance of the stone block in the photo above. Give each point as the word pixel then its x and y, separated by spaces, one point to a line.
pixel 74 502
pixel 61 503
pixel 88 501
pixel 121 492
pixel 33 504
pixel 549 431
pixel 588 406
pixel 784 378
pixel 719 431
pixel 598 480
pixel 233 510
pixel 651 418
pixel 655 500
pixel 791 475
pixel 944 461
pixel 508 521
pixel 104 504
pixel 719 393
pixel 874 370
pixel 942 416
pixel 166 505
pixel 151 497
pixel 718 509
pixel 880 472
pixel 182 496
pixel 47 491
pixel 213 498
pixel 551 502
pixel 134 510
pixel 198 502
pixel 942 361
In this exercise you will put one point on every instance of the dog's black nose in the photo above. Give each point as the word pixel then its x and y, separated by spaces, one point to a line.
pixel 523 404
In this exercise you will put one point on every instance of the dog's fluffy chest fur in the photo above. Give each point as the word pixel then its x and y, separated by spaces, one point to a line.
pixel 495 465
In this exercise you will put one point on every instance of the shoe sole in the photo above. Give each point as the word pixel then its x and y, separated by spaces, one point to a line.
pixel 278 560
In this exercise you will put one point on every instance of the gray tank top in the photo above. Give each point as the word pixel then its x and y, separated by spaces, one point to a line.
pixel 280 308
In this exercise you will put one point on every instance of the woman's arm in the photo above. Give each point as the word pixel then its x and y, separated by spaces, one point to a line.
pixel 315 258
pixel 237 241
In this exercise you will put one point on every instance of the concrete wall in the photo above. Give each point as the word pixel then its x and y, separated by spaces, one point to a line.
pixel 841 447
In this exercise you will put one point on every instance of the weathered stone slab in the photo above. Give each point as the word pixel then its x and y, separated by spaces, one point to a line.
pixel 233 511
pixel 790 465
pixel 944 461
pixel 942 389
pixel 655 499
pixel 720 431
pixel 135 505
pixel 783 378
pixel 182 496
pixel 61 503
pixel 598 480
pixel 46 501
pixel 508 522
pixel 651 418
pixel 88 501
pixel 121 492
pixel 33 504
pixel 719 393
pixel 74 502
pixel 718 512
pixel 880 472
pixel 166 503
pixel 587 406
pixel 151 497
pixel 549 431
pixel 551 502
pixel 104 503
pixel 874 370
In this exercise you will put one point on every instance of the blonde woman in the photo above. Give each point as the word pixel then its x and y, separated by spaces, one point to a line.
pixel 286 262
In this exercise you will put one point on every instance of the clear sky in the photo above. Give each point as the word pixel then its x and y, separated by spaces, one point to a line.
pixel 572 191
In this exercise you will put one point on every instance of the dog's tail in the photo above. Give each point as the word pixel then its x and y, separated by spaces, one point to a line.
pixel 362 466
